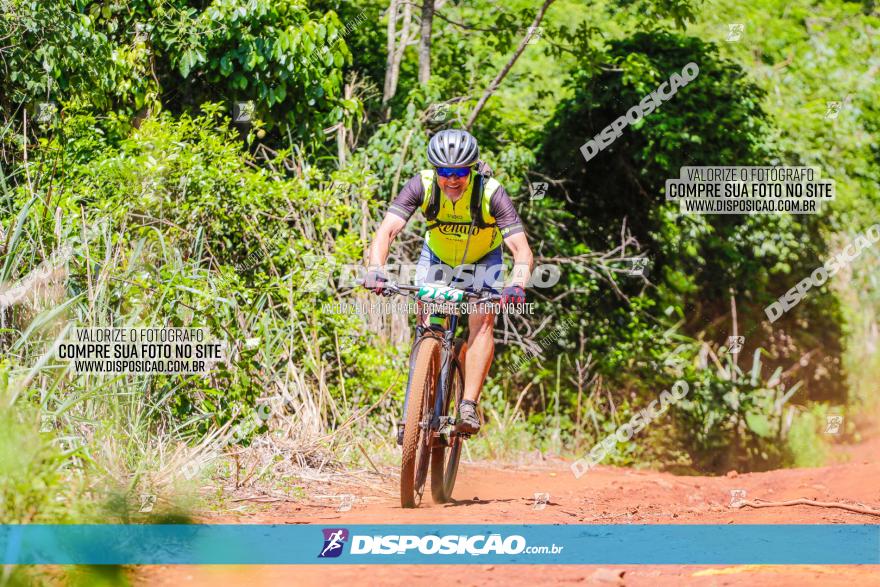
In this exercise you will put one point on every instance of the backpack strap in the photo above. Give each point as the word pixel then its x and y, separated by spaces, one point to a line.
pixel 433 208
pixel 477 201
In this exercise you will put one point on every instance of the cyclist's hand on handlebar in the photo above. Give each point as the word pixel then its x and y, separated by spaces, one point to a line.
pixel 376 281
pixel 513 294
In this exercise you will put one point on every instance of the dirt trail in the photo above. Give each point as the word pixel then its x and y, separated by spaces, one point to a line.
pixel 606 495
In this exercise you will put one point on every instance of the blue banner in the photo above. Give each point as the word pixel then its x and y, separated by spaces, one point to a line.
pixel 835 544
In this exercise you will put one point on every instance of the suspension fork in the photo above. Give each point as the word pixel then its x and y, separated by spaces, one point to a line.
pixel 446 353
pixel 420 336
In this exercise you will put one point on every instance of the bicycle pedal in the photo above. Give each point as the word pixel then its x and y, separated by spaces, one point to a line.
pixel 447 425
pixel 458 430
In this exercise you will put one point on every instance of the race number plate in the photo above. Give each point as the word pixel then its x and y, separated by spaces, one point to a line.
pixel 440 293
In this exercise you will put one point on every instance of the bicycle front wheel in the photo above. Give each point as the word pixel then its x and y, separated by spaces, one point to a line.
pixel 417 427
pixel 444 459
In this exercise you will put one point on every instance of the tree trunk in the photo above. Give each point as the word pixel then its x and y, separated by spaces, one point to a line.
pixel 342 132
pixel 390 47
pixel 425 41
pixel 397 44
pixel 402 42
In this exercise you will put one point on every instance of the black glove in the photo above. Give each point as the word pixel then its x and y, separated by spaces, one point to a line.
pixel 513 294
pixel 375 281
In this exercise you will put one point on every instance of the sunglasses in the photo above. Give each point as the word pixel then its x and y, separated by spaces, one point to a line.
pixel 456 171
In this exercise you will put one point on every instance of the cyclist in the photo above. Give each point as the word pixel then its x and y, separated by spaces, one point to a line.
pixel 468 215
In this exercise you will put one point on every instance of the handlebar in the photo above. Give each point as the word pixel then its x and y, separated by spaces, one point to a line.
pixel 482 295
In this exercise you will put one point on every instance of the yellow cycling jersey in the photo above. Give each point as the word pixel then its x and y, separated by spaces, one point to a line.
pixel 447 236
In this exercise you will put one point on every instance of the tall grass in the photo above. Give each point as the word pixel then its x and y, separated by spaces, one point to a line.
pixel 107 435
pixel 157 249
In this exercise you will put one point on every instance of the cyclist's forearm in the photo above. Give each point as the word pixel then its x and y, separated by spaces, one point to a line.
pixel 522 259
pixel 379 250
pixel 522 268
pixel 385 234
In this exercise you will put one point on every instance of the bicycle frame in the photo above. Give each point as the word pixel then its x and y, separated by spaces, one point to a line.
pixel 444 376
pixel 446 335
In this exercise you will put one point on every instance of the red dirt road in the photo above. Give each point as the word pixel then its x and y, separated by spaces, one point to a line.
pixel 606 495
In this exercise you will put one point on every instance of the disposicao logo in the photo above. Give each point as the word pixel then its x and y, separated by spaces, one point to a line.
pixel 409 544
pixel 334 540
pixel 473 545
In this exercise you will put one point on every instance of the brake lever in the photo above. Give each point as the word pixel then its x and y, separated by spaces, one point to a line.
pixel 389 286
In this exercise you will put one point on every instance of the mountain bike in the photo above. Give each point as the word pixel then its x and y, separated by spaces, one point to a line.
pixel 434 391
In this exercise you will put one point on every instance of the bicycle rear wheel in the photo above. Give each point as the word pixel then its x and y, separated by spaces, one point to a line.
pixel 444 459
pixel 417 428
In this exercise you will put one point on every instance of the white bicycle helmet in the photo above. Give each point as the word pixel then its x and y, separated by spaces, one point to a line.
pixel 453 148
